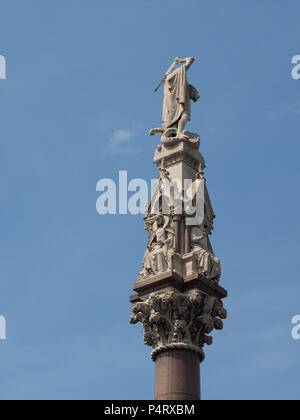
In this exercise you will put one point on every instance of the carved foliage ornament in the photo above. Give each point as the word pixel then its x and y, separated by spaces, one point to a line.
pixel 173 320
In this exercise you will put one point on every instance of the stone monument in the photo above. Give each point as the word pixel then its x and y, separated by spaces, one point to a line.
pixel 178 299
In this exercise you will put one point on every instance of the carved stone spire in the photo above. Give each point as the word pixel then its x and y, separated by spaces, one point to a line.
pixel 178 298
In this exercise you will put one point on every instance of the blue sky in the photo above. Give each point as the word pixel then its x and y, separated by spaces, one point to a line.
pixel 76 107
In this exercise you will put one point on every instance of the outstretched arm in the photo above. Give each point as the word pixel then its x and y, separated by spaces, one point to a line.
pixel 188 61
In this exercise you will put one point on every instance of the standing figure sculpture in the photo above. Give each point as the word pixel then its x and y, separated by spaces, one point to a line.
pixel 178 94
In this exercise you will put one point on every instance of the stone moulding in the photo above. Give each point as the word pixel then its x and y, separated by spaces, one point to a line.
pixel 171 280
pixel 182 152
pixel 173 320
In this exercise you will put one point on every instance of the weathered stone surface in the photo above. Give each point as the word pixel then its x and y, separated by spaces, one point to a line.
pixel 173 320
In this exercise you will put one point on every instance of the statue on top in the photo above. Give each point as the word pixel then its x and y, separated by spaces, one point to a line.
pixel 178 94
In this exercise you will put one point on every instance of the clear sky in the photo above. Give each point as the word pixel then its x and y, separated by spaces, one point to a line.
pixel 78 72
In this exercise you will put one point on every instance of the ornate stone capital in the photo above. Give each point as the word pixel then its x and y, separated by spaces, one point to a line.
pixel 174 320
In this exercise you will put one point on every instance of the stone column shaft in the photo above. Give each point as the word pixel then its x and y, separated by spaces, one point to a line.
pixel 177 376
pixel 177 229
pixel 187 239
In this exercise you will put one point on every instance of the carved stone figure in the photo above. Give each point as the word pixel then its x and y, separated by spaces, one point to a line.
pixel 178 94
pixel 209 264
pixel 161 245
